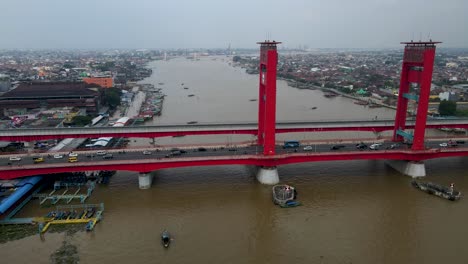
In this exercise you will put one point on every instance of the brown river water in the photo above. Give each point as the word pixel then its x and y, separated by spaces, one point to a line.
pixel 352 212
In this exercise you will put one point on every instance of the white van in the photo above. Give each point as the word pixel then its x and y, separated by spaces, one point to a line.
pixel 101 153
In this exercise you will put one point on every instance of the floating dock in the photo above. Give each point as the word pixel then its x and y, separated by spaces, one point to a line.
pixel 90 214
pixel 55 198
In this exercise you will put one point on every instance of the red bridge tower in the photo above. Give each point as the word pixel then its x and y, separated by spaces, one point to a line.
pixel 267 96
pixel 418 62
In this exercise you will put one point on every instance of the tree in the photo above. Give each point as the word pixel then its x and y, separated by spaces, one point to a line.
pixel 111 97
pixel 82 120
pixel 447 108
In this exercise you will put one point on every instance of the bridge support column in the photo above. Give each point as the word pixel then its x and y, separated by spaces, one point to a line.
pixel 268 175
pixel 410 168
pixel 145 180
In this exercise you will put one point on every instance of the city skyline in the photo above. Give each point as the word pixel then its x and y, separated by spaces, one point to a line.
pixel 184 24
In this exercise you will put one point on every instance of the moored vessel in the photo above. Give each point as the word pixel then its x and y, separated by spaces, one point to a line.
pixel 445 192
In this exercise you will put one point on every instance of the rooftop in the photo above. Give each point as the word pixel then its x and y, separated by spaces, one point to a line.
pixel 49 89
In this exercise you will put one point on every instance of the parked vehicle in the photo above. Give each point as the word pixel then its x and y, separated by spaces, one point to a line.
pixel 201 149
pixel 108 156
pixel 15 158
pixel 444 144
pixel 72 154
pixel 146 152
pixel 72 159
pixel 101 153
pixel 58 156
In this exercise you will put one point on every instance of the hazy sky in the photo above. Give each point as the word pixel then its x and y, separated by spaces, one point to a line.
pixel 216 23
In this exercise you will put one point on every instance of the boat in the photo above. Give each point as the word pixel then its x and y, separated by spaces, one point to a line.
pixel 328 95
pixel 190 95
pixel 90 212
pixel 161 83
pixel 313 108
pixel 253 100
pixel 361 102
pixel 192 122
pixel 445 192
pixel 290 204
pixel 89 225
pixel 285 196
pixel 165 238
pixel 186 88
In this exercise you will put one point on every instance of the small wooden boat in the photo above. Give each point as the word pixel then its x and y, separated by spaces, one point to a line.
pixel 253 100
pixel 165 238
pixel 192 122
pixel 313 108
pixel 186 88
pixel 285 196
pixel 190 95
pixel 445 192
pixel 361 102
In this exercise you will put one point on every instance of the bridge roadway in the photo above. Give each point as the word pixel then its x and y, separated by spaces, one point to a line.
pixel 214 128
pixel 136 160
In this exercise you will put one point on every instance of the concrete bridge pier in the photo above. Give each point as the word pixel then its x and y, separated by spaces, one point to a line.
pixel 411 168
pixel 145 180
pixel 268 175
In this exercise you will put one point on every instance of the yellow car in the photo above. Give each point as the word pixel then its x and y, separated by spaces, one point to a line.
pixel 38 160
pixel 72 159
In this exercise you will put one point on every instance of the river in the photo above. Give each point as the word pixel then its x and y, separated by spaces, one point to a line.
pixel 352 212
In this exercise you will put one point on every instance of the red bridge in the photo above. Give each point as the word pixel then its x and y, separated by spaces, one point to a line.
pixel 417 68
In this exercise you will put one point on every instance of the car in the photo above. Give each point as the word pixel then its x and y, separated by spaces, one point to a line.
pixel 58 156
pixel 101 152
pixel 361 146
pixel 394 146
pixel 146 152
pixel 308 148
pixel 72 159
pixel 176 153
pixel 108 156
pixel 232 149
pixel 375 146
pixel 444 145
pixel 90 155
pixel 201 149
pixel 460 142
pixel 39 160
pixel 15 158
pixel 181 150
pixel 336 147
pixel 72 154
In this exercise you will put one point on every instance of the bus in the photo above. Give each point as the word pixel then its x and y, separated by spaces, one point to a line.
pixel 291 144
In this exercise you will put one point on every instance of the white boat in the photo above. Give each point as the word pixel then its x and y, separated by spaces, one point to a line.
pixel 285 195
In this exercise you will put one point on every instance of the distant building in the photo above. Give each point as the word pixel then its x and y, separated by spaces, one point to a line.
pixel 449 96
pixel 5 83
pixel 104 81
pixel 45 95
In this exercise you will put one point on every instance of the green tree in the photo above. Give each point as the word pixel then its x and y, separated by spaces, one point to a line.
pixel 82 120
pixel 447 108
pixel 111 97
